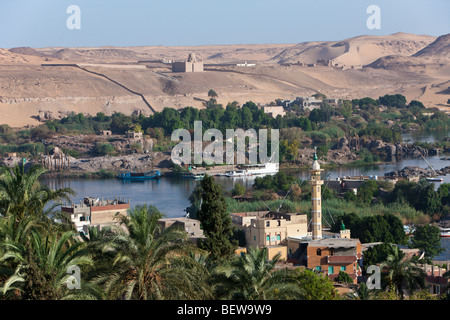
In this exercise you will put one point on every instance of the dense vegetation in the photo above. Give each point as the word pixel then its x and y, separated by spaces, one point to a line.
pixel 384 118
pixel 137 260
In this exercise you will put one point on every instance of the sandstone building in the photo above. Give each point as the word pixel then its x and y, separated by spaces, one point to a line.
pixel 192 64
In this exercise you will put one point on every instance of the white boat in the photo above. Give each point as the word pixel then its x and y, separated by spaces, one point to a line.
pixel 192 175
pixel 445 232
pixel 435 179
pixel 237 173
pixel 263 168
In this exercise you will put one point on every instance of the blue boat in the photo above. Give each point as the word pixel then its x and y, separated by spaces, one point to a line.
pixel 155 174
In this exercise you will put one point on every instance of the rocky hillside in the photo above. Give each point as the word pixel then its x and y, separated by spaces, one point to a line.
pixel 437 50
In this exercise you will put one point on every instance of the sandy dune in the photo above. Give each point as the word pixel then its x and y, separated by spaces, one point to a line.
pixel 117 79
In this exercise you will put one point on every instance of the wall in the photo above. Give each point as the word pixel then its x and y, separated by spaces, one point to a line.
pixel 107 214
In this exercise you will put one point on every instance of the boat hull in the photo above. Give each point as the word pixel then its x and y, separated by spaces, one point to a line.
pixel 445 233
pixel 139 177
pixel 267 168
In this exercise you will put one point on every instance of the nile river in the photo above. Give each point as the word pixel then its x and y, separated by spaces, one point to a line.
pixel 170 195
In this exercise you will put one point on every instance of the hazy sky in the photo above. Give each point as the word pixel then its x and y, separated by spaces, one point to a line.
pixel 42 23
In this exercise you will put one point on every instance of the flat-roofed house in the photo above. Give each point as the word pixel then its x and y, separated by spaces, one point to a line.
pixel 270 229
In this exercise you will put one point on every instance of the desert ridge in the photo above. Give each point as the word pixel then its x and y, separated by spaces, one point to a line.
pixel 57 81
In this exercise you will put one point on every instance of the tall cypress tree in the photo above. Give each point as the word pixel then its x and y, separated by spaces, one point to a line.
pixel 215 221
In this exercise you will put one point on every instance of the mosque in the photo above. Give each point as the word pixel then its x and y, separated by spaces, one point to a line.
pixel 301 242
pixel 192 64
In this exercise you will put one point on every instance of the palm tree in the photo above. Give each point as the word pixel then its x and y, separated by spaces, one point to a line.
pixel 21 192
pixel 361 293
pixel 400 272
pixel 150 263
pixel 212 94
pixel 253 277
pixel 42 266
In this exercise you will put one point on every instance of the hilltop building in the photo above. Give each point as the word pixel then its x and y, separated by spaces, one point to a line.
pixel 274 111
pixel 307 103
pixel 192 64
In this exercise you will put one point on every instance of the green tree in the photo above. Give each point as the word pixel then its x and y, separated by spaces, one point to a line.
pixel 315 286
pixel 376 228
pixel 253 277
pixel 215 221
pixel 343 277
pixel 427 238
pixel 238 190
pixel 21 193
pixel 149 263
pixel 399 273
pixel 362 292
pixel 103 149
pixel 444 194
pixel 346 109
pixel 394 100
pixel 366 192
pixel 212 94
pixel 42 264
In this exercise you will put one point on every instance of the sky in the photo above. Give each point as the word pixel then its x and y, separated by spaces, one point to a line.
pixel 43 23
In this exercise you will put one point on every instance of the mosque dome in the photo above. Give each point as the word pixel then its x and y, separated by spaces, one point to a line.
pixel 315 165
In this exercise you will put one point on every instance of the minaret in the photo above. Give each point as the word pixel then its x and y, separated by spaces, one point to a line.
pixel 316 198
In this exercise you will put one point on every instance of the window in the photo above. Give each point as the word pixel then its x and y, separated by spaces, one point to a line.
pixel 319 268
pixel 267 238
pixel 278 237
pixel 319 252
pixel 268 224
pixel 254 238
pixel 343 268
pixel 278 223
pixel 330 270
pixel 331 252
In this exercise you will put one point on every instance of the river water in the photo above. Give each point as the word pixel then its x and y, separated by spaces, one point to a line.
pixel 170 195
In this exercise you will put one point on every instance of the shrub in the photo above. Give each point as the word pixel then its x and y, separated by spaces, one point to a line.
pixel 103 149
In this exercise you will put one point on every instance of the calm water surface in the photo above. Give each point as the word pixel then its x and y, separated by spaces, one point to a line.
pixel 170 195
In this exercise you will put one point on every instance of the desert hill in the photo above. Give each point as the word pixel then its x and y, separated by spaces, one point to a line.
pixel 139 79
pixel 437 50
pixel 360 50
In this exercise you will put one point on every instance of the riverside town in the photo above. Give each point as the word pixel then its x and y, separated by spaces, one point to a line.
pixel 214 159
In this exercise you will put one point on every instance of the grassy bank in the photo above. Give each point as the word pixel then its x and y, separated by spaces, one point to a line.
pixel 332 209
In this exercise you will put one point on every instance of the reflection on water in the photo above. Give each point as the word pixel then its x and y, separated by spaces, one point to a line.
pixel 171 195
pixel 425 136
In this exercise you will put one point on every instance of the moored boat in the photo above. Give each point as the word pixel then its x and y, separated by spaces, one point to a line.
pixel 154 174
pixel 191 175
pixel 445 232
pixel 263 168
pixel 237 173
pixel 435 179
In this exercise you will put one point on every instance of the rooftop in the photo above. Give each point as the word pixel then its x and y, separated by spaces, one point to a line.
pixel 334 243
